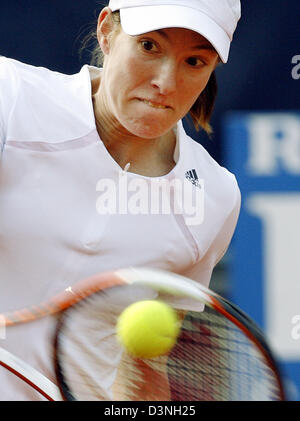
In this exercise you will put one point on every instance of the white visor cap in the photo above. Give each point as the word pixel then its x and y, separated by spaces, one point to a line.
pixel 215 20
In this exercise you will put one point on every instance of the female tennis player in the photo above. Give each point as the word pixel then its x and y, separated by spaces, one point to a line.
pixel 82 156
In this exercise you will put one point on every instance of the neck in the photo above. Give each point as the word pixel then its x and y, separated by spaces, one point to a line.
pixel 151 157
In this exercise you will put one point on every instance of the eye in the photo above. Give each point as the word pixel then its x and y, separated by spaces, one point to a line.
pixel 148 45
pixel 195 61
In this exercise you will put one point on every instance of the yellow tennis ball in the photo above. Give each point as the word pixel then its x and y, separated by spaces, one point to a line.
pixel 148 329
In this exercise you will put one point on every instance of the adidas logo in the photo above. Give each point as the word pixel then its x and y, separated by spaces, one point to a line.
pixel 192 176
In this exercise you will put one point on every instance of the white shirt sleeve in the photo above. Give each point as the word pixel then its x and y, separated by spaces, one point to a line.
pixel 202 270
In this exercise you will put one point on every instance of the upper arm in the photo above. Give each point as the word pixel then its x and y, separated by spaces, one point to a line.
pixel 226 233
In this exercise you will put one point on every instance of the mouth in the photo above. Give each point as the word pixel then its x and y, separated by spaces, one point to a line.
pixel 155 104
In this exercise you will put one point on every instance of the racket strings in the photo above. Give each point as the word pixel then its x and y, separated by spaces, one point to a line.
pixel 142 380
pixel 213 360
pixel 88 355
pixel 225 363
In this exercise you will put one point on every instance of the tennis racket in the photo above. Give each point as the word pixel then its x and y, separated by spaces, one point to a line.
pixel 220 355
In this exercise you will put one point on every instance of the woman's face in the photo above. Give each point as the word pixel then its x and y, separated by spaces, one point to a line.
pixel 151 81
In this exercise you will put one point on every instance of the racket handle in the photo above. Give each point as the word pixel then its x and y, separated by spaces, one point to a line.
pixel 30 375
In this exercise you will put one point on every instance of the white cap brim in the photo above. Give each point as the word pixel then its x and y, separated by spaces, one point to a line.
pixel 143 19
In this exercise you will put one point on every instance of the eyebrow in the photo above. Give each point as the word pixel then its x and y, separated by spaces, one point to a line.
pixel 204 46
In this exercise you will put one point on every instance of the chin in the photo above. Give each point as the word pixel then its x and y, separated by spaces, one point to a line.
pixel 148 130
pixel 145 133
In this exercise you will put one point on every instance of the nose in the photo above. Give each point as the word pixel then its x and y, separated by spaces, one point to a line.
pixel 165 78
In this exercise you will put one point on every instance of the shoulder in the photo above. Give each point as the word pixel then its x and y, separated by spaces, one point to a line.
pixel 17 70
pixel 9 83
pixel 6 65
pixel 57 105
pixel 216 212
pixel 220 184
pixel 15 74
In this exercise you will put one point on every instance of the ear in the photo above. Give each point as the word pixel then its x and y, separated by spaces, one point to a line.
pixel 104 28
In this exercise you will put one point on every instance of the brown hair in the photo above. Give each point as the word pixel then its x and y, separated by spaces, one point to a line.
pixel 202 109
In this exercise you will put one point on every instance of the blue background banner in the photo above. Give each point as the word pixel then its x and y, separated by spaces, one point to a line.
pixel 263 149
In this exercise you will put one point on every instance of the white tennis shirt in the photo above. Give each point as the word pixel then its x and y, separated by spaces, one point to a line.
pixel 56 177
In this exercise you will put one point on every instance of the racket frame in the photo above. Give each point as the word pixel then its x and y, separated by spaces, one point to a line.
pixel 159 280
